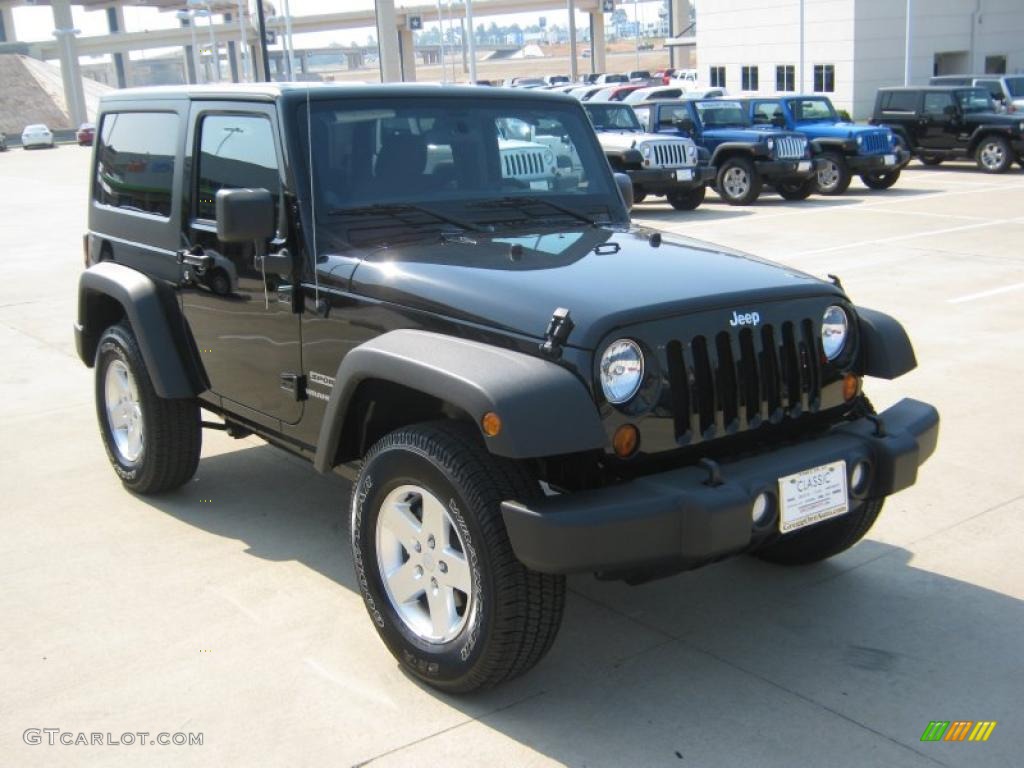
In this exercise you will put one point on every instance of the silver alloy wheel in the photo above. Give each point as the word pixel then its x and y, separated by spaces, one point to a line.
pixel 736 182
pixel 828 175
pixel 124 411
pixel 422 560
pixel 992 154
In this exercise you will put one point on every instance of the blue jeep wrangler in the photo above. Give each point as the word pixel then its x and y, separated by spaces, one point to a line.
pixel 842 148
pixel 747 156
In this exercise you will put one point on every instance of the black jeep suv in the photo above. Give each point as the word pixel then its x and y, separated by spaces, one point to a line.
pixel 520 382
pixel 939 123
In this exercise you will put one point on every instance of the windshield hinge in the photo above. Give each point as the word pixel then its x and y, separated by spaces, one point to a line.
pixel 559 328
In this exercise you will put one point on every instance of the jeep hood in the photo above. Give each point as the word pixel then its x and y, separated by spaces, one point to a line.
pixel 839 130
pixel 753 133
pixel 630 139
pixel 607 278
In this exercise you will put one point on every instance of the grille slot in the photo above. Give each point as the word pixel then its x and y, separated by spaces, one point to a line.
pixel 789 147
pixel 738 380
pixel 875 143
pixel 668 154
pixel 524 163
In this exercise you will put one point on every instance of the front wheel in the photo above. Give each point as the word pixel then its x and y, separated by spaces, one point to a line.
pixel 994 154
pixel 434 564
pixel 738 181
pixel 688 199
pixel 880 180
pixel 152 443
pixel 833 174
pixel 795 190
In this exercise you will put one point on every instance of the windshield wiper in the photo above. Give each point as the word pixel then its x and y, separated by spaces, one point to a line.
pixel 397 209
pixel 520 203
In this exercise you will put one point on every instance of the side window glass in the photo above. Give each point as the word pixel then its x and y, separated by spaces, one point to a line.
pixel 235 152
pixel 900 101
pixel 135 161
pixel 766 111
pixel 935 103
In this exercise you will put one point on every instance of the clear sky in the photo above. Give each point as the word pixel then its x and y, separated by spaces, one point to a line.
pixel 36 22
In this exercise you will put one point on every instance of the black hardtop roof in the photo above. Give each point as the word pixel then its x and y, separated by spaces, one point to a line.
pixel 265 92
pixel 937 88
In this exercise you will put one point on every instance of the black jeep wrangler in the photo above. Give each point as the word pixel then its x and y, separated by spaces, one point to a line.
pixel 522 384
pixel 939 123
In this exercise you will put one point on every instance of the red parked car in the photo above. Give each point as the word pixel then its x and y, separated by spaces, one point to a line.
pixel 85 134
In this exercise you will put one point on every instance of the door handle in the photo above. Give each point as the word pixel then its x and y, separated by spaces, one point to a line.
pixel 195 257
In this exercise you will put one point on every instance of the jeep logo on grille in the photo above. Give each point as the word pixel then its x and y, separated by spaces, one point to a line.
pixel 748 318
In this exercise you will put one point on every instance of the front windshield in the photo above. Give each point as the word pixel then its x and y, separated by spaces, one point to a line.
pixel 1015 85
pixel 719 114
pixel 813 111
pixel 611 117
pixel 465 162
pixel 975 100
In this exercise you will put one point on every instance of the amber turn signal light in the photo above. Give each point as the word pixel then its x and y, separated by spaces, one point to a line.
pixel 851 386
pixel 625 441
pixel 491 424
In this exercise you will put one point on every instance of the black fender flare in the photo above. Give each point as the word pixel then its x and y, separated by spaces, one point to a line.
pixel 545 410
pixel 733 147
pixel 1003 131
pixel 886 350
pixel 830 143
pixel 147 309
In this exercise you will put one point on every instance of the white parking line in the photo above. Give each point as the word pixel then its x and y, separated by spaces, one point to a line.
pixel 911 236
pixel 986 294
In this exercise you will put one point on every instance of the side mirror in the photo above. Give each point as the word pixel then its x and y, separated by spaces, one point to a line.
pixel 625 186
pixel 244 215
pixel 684 124
pixel 779 121
pixel 951 110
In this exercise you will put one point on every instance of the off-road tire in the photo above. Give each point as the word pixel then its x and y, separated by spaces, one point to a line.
pixel 842 170
pixel 517 611
pixel 796 190
pixel 687 200
pixel 172 431
pixel 753 189
pixel 880 180
pixel 994 154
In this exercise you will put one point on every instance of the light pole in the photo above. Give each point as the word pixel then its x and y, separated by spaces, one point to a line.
pixel 906 58
pixel 440 30
pixel 289 48
pixel 803 88
pixel 214 52
pixel 244 37
pixel 190 17
pixel 471 42
pixel 636 21
pixel 573 68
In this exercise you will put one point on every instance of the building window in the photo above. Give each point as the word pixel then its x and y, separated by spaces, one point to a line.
pixel 135 155
pixel 785 78
pixel 824 78
pixel 995 65
pixel 749 76
pixel 718 77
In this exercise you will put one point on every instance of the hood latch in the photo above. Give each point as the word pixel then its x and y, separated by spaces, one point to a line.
pixel 559 328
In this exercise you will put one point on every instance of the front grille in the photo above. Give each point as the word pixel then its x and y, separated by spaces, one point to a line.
pixel 790 147
pixel 875 143
pixel 670 154
pixel 522 163
pixel 740 379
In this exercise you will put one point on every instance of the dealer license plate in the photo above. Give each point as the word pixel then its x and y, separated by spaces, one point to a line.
pixel 803 165
pixel 890 159
pixel 812 496
pixel 684 174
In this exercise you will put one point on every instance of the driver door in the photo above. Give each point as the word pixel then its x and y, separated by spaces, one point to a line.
pixel 240 316
pixel 938 121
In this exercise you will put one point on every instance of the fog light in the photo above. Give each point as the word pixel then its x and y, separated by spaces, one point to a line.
pixel 851 386
pixel 491 424
pixel 625 441
pixel 761 509
pixel 859 477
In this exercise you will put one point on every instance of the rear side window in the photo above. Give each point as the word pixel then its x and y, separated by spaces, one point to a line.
pixel 235 152
pixel 936 103
pixel 135 161
pixel 899 101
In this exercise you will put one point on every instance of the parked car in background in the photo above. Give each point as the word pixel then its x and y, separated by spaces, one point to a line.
pixel 746 156
pixel 590 77
pixel 3 141
pixel 617 92
pixel 609 77
pixel 657 165
pixel 1007 91
pixel 841 148
pixel 639 76
pixel 86 134
pixel 654 93
pixel 705 93
pixel 556 79
pixel 585 92
pixel 37 135
pixel 519 82
pixel 685 77
pixel 940 122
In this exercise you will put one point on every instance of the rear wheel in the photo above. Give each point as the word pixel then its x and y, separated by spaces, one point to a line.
pixel 434 564
pixel 152 443
pixel 994 154
pixel 738 181
pixel 833 176
pixel 796 190
pixel 880 180
pixel 687 200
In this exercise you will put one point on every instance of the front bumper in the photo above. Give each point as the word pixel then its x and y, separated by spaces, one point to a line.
pixel 786 170
pixel 677 518
pixel 876 163
pixel 660 181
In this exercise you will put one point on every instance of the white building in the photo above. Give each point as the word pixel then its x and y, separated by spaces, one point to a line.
pixel 852 47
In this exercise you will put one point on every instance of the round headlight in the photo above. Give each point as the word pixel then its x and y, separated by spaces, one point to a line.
pixel 549 157
pixel 622 370
pixel 834 329
pixel 771 144
pixel 860 139
pixel 646 149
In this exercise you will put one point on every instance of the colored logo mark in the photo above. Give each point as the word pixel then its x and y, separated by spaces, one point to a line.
pixel 958 730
